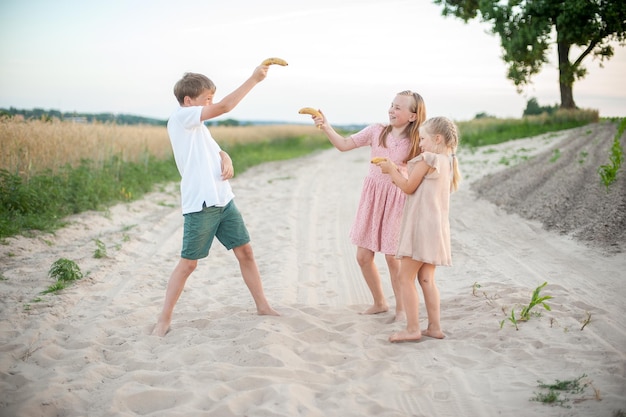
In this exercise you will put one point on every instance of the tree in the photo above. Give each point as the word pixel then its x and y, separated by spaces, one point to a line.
pixel 533 108
pixel 527 28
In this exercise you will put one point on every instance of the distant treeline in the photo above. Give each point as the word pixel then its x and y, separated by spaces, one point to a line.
pixel 120 119
pixel 533 108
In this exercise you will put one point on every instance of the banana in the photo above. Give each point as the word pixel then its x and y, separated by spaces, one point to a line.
pixel 378 159
pixel 311 111
pixel 274 61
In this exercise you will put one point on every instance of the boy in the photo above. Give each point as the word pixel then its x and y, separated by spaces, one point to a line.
pixel 206 195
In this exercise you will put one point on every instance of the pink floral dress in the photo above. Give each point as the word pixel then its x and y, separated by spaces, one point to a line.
pixel 377 223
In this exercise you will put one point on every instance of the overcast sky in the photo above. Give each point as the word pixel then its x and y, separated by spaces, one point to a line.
pixel 347 57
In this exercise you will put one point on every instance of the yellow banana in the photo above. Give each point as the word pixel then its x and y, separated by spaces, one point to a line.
pixel 378 159
pixel 274 61
pixel 311 111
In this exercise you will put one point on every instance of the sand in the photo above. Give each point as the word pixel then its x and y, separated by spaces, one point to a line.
pixel 87 351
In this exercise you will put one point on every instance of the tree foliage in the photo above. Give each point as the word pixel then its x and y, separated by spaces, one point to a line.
pixel 528 28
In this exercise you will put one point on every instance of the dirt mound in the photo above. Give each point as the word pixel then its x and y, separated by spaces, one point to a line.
pixel 562 189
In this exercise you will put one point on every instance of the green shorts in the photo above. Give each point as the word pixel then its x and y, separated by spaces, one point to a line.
pixel 201 227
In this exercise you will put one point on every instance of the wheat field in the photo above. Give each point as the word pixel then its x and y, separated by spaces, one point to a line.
pixel 30 147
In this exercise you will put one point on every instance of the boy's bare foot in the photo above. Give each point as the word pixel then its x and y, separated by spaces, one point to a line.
pixel 267 311
pixel 435 334
pixel 376 309
pixel 405 336
pixel 161 328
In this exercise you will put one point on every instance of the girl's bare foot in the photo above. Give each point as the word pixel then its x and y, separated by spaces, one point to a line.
pixel 267 311
pixel 435 334
pixel 400 316
pixel 405 336
pixel 376 309
pixel 161 328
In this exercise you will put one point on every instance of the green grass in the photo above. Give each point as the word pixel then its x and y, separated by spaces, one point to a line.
pixel 245 156
pixel 43 202
pixel 491 131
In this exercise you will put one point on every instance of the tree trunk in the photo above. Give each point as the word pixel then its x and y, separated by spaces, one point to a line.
pixel 566 77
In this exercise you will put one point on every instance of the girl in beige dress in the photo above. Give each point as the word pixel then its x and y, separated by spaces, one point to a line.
pixel 425 230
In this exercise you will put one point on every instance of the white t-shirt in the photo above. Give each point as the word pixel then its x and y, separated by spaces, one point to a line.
pixel 198 161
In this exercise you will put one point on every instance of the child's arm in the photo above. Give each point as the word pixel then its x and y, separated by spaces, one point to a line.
pixel 407 185
pixel 228 171
pixel 230 101
pixel 341 143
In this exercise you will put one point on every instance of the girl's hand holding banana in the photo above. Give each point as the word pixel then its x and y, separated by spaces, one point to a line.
pixel 318 118
pixel 386 165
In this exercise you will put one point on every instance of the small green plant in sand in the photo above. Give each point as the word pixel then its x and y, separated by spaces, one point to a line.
pixel 514 159
pixel 475 288
pixel 512 319
pixel 64 271
pixel 535 300
pixel 101 250
pixel 525 312
pixel 556 154
pixel 552 393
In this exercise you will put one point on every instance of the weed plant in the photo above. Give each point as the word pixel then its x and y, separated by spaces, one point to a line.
pixel 535 300
pixel 586 321
pixel 101 250
pixel 556 154
pixel 553 394
pixel 608 172
pixel 525 313
pixel 64 271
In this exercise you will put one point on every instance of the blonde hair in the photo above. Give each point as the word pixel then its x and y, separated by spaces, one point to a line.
pixel 412 129
pixel 448 130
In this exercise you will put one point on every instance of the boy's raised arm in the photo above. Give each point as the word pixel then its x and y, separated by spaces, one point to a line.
pixel 231 100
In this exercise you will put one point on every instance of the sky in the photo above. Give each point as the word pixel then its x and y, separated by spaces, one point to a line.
pixel 348 58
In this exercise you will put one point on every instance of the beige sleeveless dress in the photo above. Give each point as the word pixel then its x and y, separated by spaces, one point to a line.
pixel 425 227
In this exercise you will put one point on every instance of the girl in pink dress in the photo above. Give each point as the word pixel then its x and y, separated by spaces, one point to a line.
pixel 425 231
pixel 377 223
